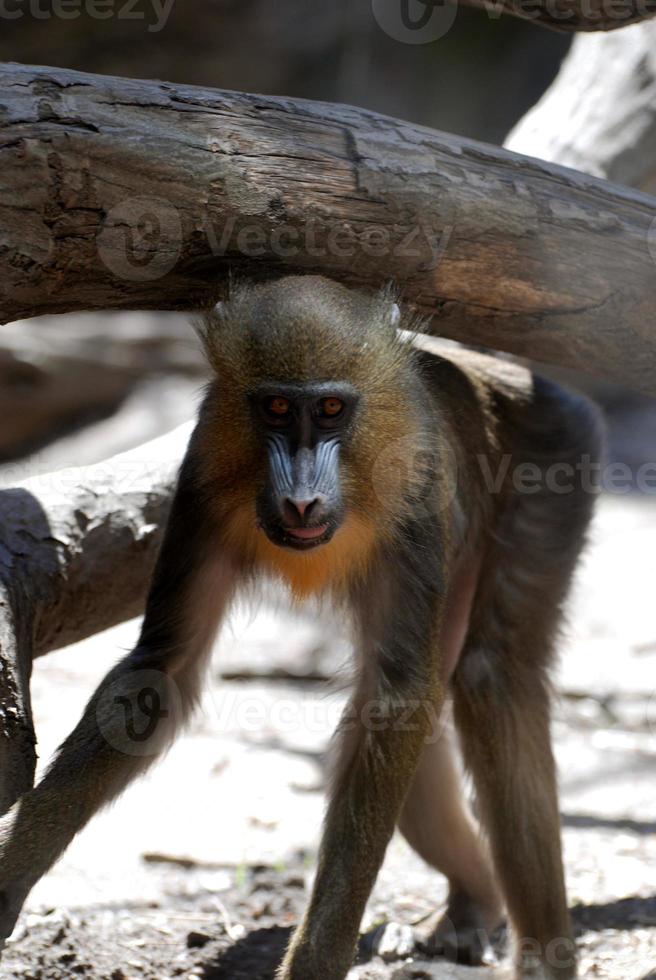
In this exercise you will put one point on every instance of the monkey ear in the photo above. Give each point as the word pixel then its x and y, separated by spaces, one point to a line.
pixel 207 324
pixel 395 315
pixel 216 317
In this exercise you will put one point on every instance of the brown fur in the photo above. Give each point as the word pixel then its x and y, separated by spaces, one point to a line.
pixel 455 591
pixel 299 329
pixel 328 569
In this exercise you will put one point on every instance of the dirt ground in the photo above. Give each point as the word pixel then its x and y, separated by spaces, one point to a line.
pixel 201 869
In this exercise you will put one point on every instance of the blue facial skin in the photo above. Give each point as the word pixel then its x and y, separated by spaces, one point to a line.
pixel 302 427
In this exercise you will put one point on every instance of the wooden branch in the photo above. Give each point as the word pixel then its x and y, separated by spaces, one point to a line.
pixel 571 15
pixel 77 549
pixel 86 538
pixel 120 193
pixel 17 738
pixel 599 115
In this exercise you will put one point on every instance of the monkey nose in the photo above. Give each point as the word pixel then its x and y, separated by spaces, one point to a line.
pixel 300 508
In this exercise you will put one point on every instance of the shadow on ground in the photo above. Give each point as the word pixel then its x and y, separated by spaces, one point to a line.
pixel 255 957
pixel 625 913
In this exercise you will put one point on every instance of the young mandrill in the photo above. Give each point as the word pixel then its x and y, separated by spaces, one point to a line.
pixel 333 453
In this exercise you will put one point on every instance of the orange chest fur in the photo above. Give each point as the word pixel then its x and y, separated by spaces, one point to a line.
pixel 328 567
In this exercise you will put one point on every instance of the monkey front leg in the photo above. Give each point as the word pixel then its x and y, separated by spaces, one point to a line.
pixel 381 747
pixel 133 715
pixel 135 711
pixel 101 755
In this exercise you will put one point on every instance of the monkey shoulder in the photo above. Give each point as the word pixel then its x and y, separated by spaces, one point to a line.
pixel 451 363
pixel 520 405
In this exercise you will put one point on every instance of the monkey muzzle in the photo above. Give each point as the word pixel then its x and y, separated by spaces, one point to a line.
pixel 300 507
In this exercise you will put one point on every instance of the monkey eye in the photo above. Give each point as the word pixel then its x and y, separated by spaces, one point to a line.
pixel 277 408
pixel 278 405
pixel 331 407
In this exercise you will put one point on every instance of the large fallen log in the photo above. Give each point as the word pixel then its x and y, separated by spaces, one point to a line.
pixel 120 193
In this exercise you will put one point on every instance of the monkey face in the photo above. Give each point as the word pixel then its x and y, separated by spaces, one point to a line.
pixel 302 427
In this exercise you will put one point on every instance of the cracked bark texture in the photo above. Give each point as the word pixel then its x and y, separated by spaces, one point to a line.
pixel 131 194
pixel 77 548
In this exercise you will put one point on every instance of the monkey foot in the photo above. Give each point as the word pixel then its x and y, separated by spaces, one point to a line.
pixel 534 968
pixel 12 898
pixel 391 941
pixel 459 934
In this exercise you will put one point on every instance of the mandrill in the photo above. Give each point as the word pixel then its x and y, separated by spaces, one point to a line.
pixel 340 453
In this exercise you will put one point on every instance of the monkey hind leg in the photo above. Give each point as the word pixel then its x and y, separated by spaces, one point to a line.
pixel 502 692
pixel 508 751
pixel 437 823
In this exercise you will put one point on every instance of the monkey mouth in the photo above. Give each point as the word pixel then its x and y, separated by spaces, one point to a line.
pixel 300 537
pixel 306 533
pixel 306 537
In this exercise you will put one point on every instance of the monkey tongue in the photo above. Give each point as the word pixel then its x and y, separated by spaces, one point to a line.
pixel 306 533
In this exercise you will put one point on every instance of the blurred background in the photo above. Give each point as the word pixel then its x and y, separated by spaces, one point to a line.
pixel 234 810
pixel 476 80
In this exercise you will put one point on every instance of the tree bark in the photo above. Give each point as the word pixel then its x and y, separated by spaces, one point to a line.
pixel 126 194
pixel 599 115
pixel 77 549
pixel 571 15
pixel 17 738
